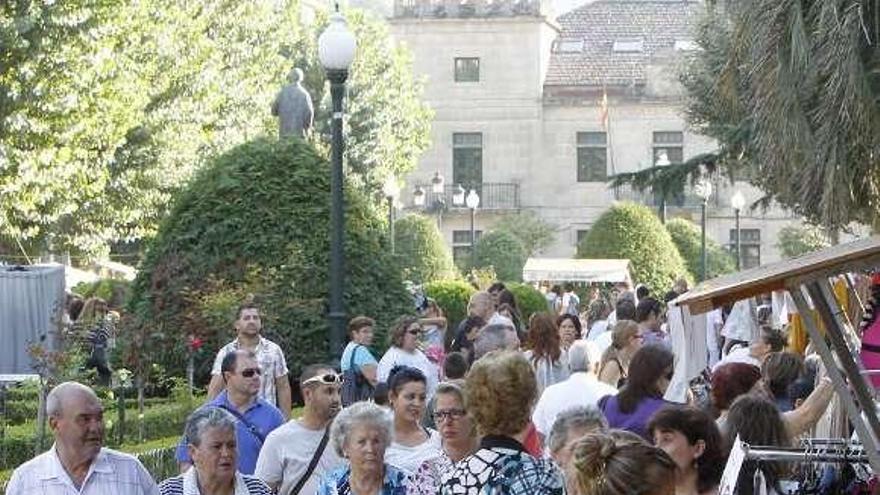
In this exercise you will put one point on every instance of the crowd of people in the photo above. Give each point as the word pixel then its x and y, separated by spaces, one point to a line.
pixel 570 399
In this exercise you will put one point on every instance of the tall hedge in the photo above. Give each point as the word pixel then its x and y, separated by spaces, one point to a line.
pixel 528 299
pixel 452 296
pixel 504 252
pixel 632 231
pixel 420 250
pixel 255 223
pixel 686 236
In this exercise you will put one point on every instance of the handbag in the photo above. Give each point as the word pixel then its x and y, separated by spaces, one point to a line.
pixel 355 386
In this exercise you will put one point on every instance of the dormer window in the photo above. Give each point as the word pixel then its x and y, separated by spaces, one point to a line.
pixel 570 45
pixel 629 45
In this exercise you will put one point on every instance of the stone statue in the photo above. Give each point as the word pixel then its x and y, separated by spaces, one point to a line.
pixel 293 107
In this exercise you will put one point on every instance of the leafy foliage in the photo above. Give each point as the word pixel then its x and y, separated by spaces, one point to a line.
pixel 631 231
pixel 255 224
pixel 115 292
pixel 686 236
pixel 503 251
pixel 528 299
pixel 452 296
pixel 795 240
pixel 790 89
pixel 420 250
pixel 533 233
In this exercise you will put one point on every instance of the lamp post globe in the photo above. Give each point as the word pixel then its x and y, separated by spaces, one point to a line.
pixel 662 161
pixel 473 202
pixel 458 196
pixel 419 196
pixel 703 189
pixel 437 183
pixel 336 50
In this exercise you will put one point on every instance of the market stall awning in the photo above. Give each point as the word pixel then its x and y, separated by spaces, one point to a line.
pixel 864 253
pixel 576 270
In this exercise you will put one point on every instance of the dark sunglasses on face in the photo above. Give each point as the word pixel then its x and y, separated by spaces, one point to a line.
pixel 250 372
pixel 449 414
pixel 326 379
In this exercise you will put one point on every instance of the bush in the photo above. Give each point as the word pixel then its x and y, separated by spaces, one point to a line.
pixel 255 224
pixel 420 250
pixel 532 231
pixel 528 299
pixel 115 292
pixel 502 251
pixel 686 236
pixel 633 232
pixel 452 296
pixel 794 241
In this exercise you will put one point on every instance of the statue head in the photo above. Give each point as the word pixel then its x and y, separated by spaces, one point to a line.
pixel 296 75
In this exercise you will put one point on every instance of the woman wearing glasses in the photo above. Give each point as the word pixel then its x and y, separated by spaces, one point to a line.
pixel 404 351
pixel 413 443
pixel 650 373
pixel 459 439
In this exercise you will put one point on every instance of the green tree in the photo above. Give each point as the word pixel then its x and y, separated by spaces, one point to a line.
pixel 790 90
pixel 631 231
pixel 420 250
pixel 254 224
pixel 533 233
pixel 452 296
pixel 528 299
pixel 686 236
pixel 502 251
pixel 794 241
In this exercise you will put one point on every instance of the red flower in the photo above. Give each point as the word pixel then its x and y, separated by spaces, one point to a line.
pixel 195 343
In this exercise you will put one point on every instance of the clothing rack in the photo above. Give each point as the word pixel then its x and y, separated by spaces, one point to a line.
pixel 821 450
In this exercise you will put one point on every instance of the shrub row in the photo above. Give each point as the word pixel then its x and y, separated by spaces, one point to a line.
pixel 21 411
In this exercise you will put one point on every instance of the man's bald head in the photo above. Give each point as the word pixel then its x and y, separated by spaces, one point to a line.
pixel 64 393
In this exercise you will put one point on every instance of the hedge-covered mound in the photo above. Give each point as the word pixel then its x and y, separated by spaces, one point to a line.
pixel 420 250
pixel 687 238
pixel 256 222
pixel 452 296
pixel 502 251
pixel 631 231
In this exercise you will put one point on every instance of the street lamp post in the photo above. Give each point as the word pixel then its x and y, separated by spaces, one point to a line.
pixel 437 186
pixel 703 189
pixel 473 201
pixel 662 161
pixel 336 49
pixel 738 201
pixel 391 190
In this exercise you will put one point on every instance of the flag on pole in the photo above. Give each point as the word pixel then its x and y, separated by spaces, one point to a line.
pixel 603 111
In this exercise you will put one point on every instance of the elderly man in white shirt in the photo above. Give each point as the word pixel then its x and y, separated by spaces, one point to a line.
pixel 77 463
pixel 582 388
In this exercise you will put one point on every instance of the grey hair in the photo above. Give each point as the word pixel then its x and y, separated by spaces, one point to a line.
pixel 204 418
pixel 56 396
pixel 579 417
pixel 360 414
pixel 581 356
pixel 491 338
pixel 450 388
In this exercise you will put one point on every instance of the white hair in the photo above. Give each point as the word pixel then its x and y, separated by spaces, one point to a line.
pixel 56 396
pixel 582 355
pixel 360 414
pixel 204 418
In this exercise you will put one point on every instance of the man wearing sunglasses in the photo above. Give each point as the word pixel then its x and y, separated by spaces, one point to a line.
pixel 296 456
pixel 241 397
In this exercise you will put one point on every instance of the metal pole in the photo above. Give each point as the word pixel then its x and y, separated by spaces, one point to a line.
pixel 738 242
pixel 473 240
pixel 703 243
pixel 663 210
pixel 391 221
pixel 336 315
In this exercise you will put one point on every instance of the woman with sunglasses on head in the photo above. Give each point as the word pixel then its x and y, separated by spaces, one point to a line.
pixel 412 443
pixel 459 438
pixel 650 373
pixel 404 351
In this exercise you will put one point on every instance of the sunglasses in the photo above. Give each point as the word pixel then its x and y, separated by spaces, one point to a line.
pixel 449 414
pixel 250 372
pixel 414 331
pixel 325 379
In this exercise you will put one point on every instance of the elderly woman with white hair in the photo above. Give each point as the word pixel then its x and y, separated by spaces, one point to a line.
pixel 360 434
pixel 211 443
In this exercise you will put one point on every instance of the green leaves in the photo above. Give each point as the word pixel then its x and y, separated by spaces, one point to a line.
pixel 504 252
pixel 420 250
pixel 686 236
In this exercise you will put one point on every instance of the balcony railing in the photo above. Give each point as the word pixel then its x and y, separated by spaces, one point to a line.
pixel 493 196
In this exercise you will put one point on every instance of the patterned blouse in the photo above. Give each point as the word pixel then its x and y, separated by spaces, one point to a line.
pixel 502 467
pixel 336 483
pixel 428 477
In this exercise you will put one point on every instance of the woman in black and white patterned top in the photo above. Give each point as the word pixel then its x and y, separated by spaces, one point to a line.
pixel 210 437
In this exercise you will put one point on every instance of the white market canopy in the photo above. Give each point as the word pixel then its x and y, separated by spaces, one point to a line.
pixel 576 270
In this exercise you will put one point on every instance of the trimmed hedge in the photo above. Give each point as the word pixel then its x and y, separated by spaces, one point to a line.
pixel 420 250
pixel 632 231
pixel 255 224
pixel 452 296
pixel 21 411
pixel 528 299
pixel 687 237
pixel 503 251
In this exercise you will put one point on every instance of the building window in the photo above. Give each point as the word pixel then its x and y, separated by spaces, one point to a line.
pixel 461 246
pixel 467 159
pixel 581 235
pixel 628 45
pixel 592 157
pixel 467 69
pixel 750 247
pixel 671 143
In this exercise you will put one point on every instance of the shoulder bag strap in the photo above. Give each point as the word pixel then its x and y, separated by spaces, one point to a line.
pixel 312 464
pixel 250 426
pixel 351 359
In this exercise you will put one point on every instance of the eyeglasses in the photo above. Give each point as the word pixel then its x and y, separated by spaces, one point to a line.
pixel 326 379
pixel 449 414
pixel 414 331
pixel 250 372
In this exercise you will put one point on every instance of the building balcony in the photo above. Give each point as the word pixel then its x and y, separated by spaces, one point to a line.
pixel 497 196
